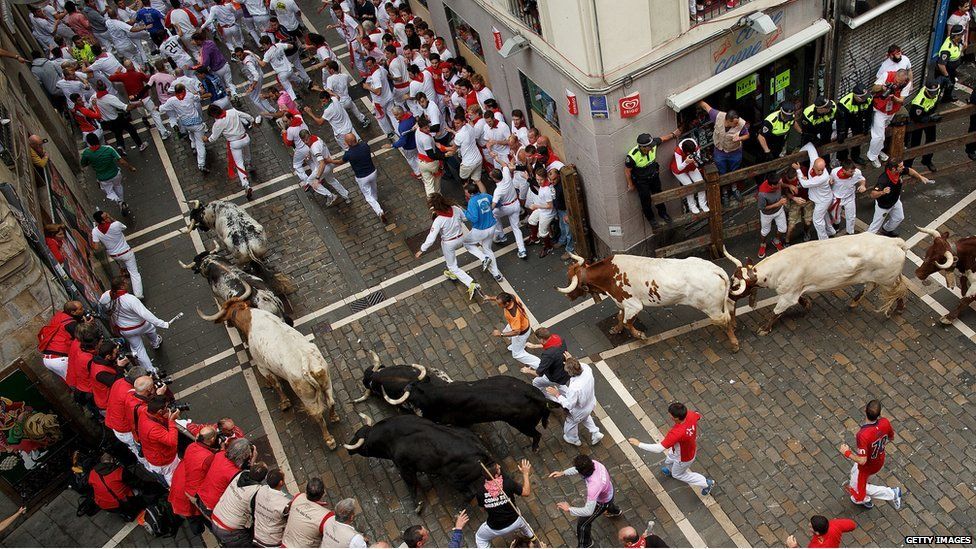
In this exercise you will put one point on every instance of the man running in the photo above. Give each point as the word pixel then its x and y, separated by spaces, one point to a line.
pixel 478 213
pixel 825 533
pixel 105 160
pixel 579 399
pixel 185 107
pixel 599 496
pixel 318 156
pixel 517 328
pixel 872 438
pixel 109 233
pixel 448 224
pixel 233 124
pixel 497 499
pixel 681 446
pixel 847 181
pixel 378 84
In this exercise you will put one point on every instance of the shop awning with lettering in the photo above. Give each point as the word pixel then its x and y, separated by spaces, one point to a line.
pixel 682 100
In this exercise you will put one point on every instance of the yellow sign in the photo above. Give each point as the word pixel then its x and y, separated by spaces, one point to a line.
pixel 746 86
pixel 780 82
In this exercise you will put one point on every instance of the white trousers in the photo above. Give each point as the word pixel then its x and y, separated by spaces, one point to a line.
pixel 368 186
pixel 113 188
pixel 766 222
pixel 681 470
pixel 58 365
pixel 484 238
pixel 486 535
pixel 412 160
pixel 895 215
pixel 878 126
pixel 542 218
pixel 821 220
pixel 285 79
pixel 689 179
pixel 232 36
pixel 138 347
pixel 353 109
pixel 300 72
pixel 449 249
pixel 165 471
pixel 262 104
pixel 511 213
pixel 384 117
pixel 849 207
pixel 240 151
pixel 128 262
pixel 228 77
pixel 872 491
pixel 541 382
pixel 196 134
pixel 517 346
pixel 573 421
pixel 150 107
pixel 430 174
pixel 328 177
pixel 255 26
pixel 130 441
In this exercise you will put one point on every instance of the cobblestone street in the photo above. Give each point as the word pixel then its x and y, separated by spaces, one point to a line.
pixel 773 414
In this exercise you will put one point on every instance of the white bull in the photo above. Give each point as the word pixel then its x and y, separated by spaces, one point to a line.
pixel 824 266
pixel 237 232
pixel 282 352
pixel 635 282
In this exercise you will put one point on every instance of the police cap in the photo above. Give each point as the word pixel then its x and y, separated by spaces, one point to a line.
pixel 956 30
pixel 820 102
pixel 644 140
pixel 932 85
pixel 787 107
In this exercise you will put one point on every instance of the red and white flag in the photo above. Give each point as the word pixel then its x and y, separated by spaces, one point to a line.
pixel 497 34
pixel 571 105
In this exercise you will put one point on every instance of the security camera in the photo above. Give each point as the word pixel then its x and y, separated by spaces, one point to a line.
pixel 759 22
pixel 513 45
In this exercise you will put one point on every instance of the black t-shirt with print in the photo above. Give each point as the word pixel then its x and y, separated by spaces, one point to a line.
pixel 500 512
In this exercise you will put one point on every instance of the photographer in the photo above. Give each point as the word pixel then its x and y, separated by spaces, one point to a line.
pixel 122 400
pixel 112 488
pixel 233 518
pixel 106 368
pixel 239 455
pixel 155 429
pixel 189 476
pixel 227 430
pixel 80 356
pixel 54 339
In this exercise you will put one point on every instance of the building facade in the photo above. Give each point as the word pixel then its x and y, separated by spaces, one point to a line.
pixel 656 61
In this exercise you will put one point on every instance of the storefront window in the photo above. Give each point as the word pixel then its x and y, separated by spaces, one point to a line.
pixel 540 102
pixel 464 34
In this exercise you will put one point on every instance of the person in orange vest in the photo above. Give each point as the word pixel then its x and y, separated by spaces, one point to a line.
pixel 111 488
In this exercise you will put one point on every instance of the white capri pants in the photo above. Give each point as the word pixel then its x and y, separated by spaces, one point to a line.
pixel 368 186
pixel 128 262
pixel 542 218
pixel 165 471
pixel 196 134
pixel 353 110
pixel 766 222
pixel 895 215
pixel 690 178
pixel 113 188
pixel 878 126
pixel 681 470
pixel 484 238
pixel 134 338
pixel 821 220
pixel 486 535
pixel 849 207
pixel 449 249
pixel 518 349
pixel 57 364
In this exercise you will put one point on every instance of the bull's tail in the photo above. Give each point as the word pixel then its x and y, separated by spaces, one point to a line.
pixel 892 296
pixel 320 378
pixel 545 418
pixel 280 283
pixel 901 243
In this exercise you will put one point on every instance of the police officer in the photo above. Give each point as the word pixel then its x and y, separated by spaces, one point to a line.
pixel 817 121
pixel 774 129
pixel 948 61
pixel 641 169
pixel 853 114
pixel 922 110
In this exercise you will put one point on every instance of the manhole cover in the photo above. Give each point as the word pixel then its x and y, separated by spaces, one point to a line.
pixel 368 301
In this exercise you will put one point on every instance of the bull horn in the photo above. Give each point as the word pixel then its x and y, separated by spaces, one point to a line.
pixel 211 318
pixel 215 248
pixel 359 443
pixel 362 398
pixel 184 265
pixel 738 288
pixel 366 419
pixel 246 294
pixel 731 258
pixel 193 204
pixel 572 286
pixel 931 232
pixel 948 262
pixel 578 259
pixel 376 360
pixel 397 402
pixel 423 371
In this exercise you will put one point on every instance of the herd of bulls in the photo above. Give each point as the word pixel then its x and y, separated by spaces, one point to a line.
pixel 433 438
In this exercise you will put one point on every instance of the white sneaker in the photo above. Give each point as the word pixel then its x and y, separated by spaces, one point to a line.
pixel 595 439
pixel 158 342
pixel 704 209
pixel 574 443
pixel 258 120
pixel 876 163
pixel 882 156
pixel 694 210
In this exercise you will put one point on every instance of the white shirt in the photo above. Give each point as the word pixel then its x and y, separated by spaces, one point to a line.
pixel 499 133
pixel 504 190
pixel 252 71
pixel 379 80
pixel 433 113
pixel 319 151
pixel 888 65
pixel 445 53
pixel 186 110
pixel 113 240
pixel 120 32
pixel 522 134
pixel 173 47
pixel 348 27
pixel 291 134
pixel 425 142
pixel 412 90
pixel 106 65
pixel 546 195
pixel 818 186
pixel 191 84
pixel 449 228
pixel 287 12
pixel 110 106
pixel 580 395
pixel 180 18
pixel 256 7
pixel 43 29
pixel 467 142
pixel 278 58
pixel 398 70
pixel 483 94
pixel 845 188
pixel 337 117
pixel 129 312
pixel 339 83
pixel 426 85
pixel 231 126
pixel 69 87
pixel 223 14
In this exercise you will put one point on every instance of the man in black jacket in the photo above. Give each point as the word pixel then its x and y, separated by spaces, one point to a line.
pixel 551 371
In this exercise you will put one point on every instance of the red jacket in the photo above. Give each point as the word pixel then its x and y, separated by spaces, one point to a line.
pixel 221 472
pixel 100 391
pixel 121 401
pixel 54 245
pixel 60 341
pixel 835 531
pixel 103 486
pixel 78 376
pixel 158 437
pixel 187 478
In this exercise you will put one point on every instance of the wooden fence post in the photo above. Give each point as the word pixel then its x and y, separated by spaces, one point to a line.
pixel 713 194
pixel 897 148
pixel 579 222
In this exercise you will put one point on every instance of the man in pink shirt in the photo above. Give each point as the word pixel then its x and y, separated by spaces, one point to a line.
pixel 599 496
pixel 681 446
pixel 160 81
pixel 79 23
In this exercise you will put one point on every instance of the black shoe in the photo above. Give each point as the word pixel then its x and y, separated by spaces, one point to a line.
pixel 666 218
pixel 655 224
pixel 930 166
pixel 892 234
pixel 125 209
pixel 249 193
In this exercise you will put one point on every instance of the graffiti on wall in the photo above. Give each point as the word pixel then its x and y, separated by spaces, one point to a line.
pixel 745 43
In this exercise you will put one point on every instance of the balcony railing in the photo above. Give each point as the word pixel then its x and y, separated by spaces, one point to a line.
pixel 706 10
pixel 527 11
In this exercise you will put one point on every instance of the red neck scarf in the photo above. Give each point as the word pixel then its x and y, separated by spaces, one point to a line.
pixel 101 94
pixel 765 187
pixel 553 341
pixel 446 213
pixel 223 114
pixel 103 226
pixel 295 121
pixel 181 95
pixel 93 149
pixel 893 176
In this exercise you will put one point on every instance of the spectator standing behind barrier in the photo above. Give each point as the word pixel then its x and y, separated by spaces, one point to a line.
pixel 641 170
pixel 890 91
pixel 772 209
pixel 271 505
pixel 728 133
pixel 948 61
pixel 854 116
pixel 922 111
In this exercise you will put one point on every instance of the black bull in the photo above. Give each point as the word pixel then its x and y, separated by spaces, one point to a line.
pixel 418 445
pixel 496 398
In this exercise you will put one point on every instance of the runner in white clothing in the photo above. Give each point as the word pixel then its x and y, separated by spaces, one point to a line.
pixel 505 204
pixel 847 181
pixel 225 17
pixel 336 116
pixel 448 224
pixel 132 320
pixel 254 78
pixel 121 35
pixel 276 55
pixel 233 124
pixel 321 169
pixel 256 19
pixel 579 397
pixel 288 14
pixel 172 47
pixel 378 84
pixel 338 83
pixel 108 232
pixel 186 109
pixel 818 189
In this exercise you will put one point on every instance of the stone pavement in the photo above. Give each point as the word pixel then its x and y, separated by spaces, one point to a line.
pixel 773 413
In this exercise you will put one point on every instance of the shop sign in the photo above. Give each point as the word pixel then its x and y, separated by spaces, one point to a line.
pixel 744 43
pixel 599 107
pixel 497 35
pixel 779 82
pixel 747 85
pixel 630 105
pixel 571 104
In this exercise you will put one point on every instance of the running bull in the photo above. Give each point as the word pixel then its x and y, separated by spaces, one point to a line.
pixel 465 403
pixel 824 266
pixel 634 282
pixel 281 352
pixel 947 257
pixel 237 232
pixel 228 281
pixel 391 381
pixel 418 445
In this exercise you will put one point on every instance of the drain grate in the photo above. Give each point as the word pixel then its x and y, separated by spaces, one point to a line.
pixel 368 301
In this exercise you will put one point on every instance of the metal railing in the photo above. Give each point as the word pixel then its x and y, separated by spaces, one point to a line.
pixel 712 9
pixel 527 11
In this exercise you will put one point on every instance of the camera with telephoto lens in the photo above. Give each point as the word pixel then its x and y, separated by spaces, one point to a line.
pixel 161 381
pixel 122 346
pixel 888 90
pixel 178 406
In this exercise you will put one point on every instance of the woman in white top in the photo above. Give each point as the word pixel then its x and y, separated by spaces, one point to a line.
pixel 132 320
pixel 449 225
